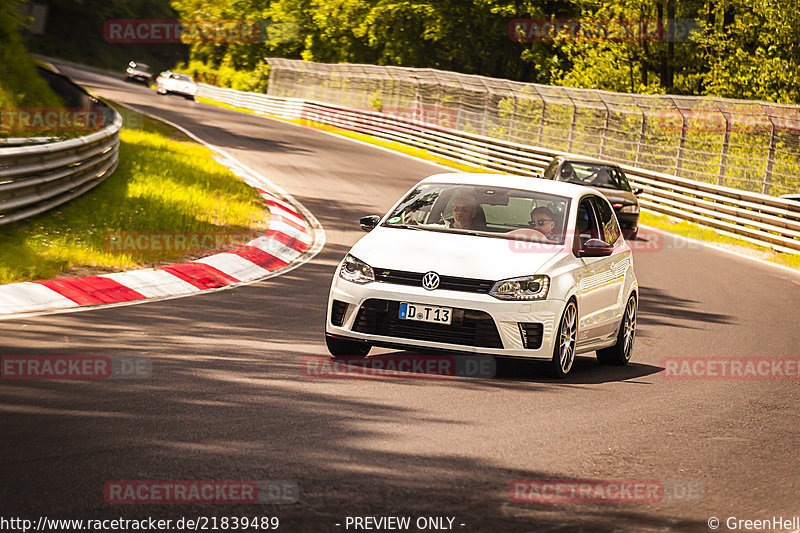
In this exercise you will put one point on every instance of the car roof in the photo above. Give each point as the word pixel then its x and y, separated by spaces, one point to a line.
pixel 546 186
pixel 587 161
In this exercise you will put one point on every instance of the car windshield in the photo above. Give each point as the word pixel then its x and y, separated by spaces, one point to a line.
pixel 594 175
pixel 140 66
pixel 182 77
pixel 483 210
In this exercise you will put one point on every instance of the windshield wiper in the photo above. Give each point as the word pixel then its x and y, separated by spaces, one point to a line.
pixel 404 226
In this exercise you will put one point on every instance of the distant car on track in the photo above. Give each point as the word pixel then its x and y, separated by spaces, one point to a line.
pixel 138 72
pixel 609 179
pixel 489 264
pixel 173 82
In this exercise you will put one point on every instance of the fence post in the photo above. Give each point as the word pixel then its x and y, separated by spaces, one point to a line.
pixel 641 133
pixel 605 125
pixel 540 132
pixel 572 125
pixel 513 125
pixel 487 93
pixel 681 141
pixel 723 158
pixel 771 156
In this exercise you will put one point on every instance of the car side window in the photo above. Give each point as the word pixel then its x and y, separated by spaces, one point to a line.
pixel 550 171
pixel 586 226
pixel 608 222
pixel 621 180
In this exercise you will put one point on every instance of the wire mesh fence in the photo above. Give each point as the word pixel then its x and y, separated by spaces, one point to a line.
pixel 752 146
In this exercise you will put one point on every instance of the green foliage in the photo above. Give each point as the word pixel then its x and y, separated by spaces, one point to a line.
pixel 20 83
pixel 254 80
pixel 755 54
pixel 743 48
pixel 75 31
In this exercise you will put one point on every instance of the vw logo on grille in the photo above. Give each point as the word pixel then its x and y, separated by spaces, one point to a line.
pixel 430 281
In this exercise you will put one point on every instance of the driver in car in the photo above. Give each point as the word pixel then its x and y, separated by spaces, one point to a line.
pixel 544 221
pixel 465 212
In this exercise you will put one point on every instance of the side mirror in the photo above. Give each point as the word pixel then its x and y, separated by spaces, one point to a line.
pixel 595 248
pixel 369 222
pixel 637 192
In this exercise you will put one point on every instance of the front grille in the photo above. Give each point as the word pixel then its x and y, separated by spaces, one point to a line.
pixel 469 327
pixel 337 313
pixel 450 283
pixel 531 335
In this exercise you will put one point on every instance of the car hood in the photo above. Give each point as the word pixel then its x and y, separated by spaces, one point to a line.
pixel 615 196
pixel 452 254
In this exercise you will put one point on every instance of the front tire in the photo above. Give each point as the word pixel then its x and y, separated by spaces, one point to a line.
pixel 620 353
pixel 564 349
pixel 342 347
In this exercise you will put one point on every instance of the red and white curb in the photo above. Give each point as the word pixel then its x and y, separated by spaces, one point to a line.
pixel 293 238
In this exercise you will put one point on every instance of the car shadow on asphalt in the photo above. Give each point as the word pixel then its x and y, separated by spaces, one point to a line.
pixel 657 307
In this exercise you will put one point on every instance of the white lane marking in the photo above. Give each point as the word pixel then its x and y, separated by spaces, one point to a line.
pixel 17 297
pixel 235 266
pixel 152 283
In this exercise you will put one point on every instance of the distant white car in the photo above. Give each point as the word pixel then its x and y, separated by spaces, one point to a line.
pixel 489 264
pixel 137 71
pixel 172 82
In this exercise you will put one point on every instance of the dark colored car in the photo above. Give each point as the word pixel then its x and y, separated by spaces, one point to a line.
pixel 138 72
pixel 609 179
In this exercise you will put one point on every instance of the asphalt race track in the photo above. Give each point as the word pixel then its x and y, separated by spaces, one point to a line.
pixel 228 400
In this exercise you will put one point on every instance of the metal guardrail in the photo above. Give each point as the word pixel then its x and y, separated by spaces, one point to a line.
pixel 762 219
pixel 39 177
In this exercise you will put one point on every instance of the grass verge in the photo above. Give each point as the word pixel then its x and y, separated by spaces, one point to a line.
pixel 168 201
pixel 709 235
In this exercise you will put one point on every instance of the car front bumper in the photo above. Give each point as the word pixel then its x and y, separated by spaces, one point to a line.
pixel 474 315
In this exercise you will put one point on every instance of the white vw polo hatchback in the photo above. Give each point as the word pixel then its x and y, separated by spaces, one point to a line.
pixel 489 264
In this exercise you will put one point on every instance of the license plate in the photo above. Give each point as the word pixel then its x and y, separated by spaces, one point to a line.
pixel 426 313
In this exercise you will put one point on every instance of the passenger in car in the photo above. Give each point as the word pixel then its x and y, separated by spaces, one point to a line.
pixel 544 221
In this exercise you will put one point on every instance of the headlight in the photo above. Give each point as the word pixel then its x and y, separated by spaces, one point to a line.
pixel 632 209
pixel 355 270
pixel 524 288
